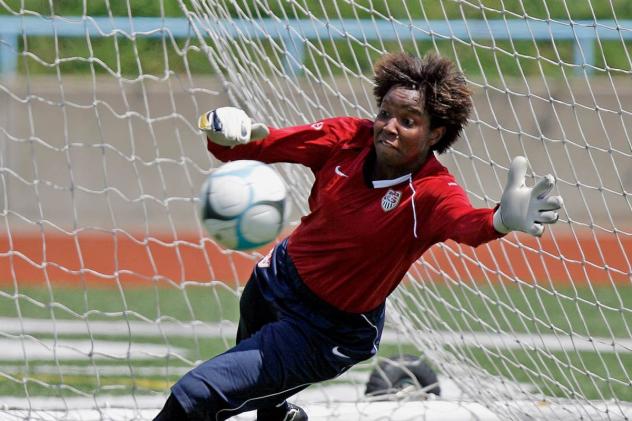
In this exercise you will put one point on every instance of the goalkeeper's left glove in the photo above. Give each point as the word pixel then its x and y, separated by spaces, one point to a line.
pixel 525 208
pixel 230 126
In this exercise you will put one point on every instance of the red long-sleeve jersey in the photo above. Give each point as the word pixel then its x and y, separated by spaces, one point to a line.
pixel 361 236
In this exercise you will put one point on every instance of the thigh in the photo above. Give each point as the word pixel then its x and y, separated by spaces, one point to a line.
pixel 254 310
pixel 265 369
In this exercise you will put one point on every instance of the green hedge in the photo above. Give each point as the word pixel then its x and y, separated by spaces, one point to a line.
pixel 157 56
pixel 489 9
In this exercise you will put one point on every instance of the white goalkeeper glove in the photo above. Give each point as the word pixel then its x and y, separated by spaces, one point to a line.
pixel 230 126
pixel 525 208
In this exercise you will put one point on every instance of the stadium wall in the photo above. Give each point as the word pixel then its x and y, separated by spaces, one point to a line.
pixel 113 197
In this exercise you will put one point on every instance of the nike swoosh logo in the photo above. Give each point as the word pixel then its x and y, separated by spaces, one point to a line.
pixel 337 353
pixel 339 172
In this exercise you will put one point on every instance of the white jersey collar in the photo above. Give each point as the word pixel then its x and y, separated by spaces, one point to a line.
pixel 380 184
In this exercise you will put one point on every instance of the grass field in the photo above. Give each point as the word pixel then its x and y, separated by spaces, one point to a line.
pixel 142 360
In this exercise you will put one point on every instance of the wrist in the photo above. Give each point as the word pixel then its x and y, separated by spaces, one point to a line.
pixel 499 225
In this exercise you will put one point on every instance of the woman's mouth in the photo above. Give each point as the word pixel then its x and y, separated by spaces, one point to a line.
pixel 386 142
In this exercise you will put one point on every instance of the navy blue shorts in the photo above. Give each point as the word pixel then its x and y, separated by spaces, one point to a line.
pixel 287 339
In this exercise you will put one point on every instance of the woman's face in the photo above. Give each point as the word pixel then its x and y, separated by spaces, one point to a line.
pixel 402 134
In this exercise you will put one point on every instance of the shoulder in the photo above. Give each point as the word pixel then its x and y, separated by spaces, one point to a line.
pixel 344 125
pixel 436 181
pixel 360 131
pixel 348 132
pixel 433 172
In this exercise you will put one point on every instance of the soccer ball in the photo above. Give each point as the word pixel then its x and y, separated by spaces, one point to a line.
pixel 244 205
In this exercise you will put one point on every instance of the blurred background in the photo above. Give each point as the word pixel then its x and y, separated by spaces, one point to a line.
pixel 101 165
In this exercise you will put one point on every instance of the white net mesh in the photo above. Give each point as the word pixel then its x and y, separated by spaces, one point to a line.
pixel 110 290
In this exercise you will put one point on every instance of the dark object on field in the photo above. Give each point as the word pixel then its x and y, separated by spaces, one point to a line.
pixel 396 373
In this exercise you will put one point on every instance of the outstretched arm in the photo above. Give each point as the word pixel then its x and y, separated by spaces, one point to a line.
pixel 232 135
pixel 525 208
pixel 521 208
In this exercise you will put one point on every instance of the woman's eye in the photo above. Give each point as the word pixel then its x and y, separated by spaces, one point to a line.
pixel 382 114
pixel 408 122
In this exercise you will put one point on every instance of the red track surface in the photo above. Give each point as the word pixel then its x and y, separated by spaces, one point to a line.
pixel 102 259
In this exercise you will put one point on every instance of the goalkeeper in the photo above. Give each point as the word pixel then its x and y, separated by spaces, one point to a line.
pixel 314 306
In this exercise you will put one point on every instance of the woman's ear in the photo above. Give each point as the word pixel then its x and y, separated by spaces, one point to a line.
pixel 436 134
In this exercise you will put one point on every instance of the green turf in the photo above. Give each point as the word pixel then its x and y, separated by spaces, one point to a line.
pixel 455 307
pixel 73 385
pixel 598 311
pixel 206 303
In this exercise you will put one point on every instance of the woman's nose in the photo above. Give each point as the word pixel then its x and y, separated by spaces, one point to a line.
pixel 391 126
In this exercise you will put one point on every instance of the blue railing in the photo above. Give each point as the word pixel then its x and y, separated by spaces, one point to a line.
pixel 582 34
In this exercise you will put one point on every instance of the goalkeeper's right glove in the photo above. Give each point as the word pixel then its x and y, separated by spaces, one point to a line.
pixel 230 126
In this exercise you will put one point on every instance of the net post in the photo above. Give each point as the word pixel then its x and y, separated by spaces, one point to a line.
pixel 584 55
pixel 294 55
pixel 8 54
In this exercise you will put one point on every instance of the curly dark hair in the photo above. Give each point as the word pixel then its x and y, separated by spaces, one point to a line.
pixel 444 91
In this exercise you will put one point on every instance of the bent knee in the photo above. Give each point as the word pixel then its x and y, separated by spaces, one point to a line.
pixel 199 399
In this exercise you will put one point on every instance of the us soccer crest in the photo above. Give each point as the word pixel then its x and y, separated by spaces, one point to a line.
pixel 391 200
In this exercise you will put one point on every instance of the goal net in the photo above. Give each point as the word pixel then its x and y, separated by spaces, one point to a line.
pixel 110 290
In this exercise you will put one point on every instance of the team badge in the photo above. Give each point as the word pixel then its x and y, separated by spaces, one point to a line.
pixel 318 125
pixel 391 200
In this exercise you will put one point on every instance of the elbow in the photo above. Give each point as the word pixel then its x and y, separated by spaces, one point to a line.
pixel 469 241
